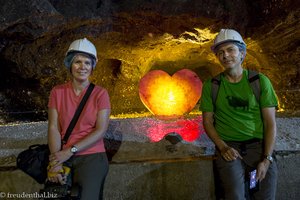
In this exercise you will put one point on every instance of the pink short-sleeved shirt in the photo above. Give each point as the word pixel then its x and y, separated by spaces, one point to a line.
pixel 64 100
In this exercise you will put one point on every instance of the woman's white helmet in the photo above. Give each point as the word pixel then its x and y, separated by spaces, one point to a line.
pixel 81 46
pixel 227 35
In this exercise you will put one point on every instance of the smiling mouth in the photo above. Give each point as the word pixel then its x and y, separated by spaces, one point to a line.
pixel 227 62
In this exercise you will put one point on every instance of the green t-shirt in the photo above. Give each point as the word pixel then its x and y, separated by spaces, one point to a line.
pixel 237 113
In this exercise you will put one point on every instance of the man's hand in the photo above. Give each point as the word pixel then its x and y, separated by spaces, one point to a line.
pixel 230 154
pixel 262 169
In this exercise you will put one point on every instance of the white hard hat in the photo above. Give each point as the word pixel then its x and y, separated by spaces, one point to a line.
pixel 227 35
pixel 81 46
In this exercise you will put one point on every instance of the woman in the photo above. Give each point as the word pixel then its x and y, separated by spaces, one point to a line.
pixel 84 150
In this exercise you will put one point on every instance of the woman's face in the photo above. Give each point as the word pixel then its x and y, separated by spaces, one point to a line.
pixel 81 67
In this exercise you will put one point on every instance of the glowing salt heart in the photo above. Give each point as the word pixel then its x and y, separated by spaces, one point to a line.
pixel 166 95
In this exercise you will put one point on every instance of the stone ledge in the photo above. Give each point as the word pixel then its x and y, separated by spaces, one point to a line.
pixel 127 141
pixel 150 170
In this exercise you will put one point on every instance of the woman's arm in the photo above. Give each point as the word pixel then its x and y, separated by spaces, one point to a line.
pixel 54 138
pixel 98 133
pixel 54 142
pixel 101 126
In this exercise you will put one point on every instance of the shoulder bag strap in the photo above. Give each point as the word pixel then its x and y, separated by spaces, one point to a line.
pixel 77 113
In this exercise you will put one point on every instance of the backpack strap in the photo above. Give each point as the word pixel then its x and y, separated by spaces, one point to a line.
pixel 253 78
pixel 216 82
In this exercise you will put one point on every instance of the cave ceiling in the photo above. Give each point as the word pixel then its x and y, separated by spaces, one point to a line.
pixel 134 37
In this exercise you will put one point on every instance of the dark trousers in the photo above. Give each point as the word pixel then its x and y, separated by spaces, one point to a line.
pixel 89 172
pixel 232 176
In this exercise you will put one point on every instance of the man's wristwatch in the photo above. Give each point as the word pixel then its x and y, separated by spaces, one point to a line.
pixel 73 149
pixel 269 158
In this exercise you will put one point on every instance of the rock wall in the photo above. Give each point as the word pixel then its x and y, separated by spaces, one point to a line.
pixel 133 37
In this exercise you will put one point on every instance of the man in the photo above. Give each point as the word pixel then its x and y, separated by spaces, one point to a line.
pixel 242 128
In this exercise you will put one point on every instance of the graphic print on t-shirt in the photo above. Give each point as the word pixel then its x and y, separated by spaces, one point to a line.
pixel 237 102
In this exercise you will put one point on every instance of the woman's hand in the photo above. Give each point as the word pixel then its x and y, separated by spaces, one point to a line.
pixel 60 157
pixel 55 173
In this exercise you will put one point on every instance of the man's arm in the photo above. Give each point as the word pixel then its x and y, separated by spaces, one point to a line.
pixel 208 122
pixel 227 152
pixel 270 131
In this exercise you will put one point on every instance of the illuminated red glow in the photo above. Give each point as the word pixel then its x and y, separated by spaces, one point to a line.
pixel 188 129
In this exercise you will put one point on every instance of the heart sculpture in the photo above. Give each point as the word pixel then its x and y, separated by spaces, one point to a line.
pixel 171 96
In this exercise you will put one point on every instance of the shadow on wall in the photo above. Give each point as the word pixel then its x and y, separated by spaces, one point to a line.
pixel 113 141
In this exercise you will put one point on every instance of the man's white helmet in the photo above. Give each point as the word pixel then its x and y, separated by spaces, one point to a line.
pixel 81 46
pixel 227 35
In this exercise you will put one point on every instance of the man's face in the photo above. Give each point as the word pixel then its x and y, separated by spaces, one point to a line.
pixel 229 55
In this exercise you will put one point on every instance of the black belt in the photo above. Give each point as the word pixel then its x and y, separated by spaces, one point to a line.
pixel 247 142
pixel 254 140
pixel 243 144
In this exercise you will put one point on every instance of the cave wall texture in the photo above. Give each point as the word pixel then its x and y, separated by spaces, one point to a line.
pixel 134 37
